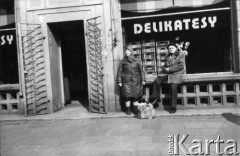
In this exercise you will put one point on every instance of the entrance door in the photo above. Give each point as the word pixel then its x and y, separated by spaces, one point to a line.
pixel 32 62
pixel 72 70
pixel 96 65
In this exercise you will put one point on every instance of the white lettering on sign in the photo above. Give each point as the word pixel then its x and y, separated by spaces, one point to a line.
pixel 137 28
pixel 178 25
pixel 6 39
pixel 212 20
pixel 147 28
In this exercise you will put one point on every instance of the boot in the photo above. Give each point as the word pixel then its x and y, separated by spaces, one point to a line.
pixel 135 110
pixel 173 110
pixel 128 111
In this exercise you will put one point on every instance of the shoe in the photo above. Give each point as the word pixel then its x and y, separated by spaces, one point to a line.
pixel 135 110
pixel 128 111
pixel 173 110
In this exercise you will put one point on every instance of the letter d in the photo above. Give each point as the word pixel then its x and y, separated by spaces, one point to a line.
pixel 137 28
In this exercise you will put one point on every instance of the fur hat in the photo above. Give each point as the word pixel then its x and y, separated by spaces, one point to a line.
pixel 172 44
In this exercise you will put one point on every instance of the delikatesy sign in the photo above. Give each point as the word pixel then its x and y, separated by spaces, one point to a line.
pixel 177 22
pixel 8 38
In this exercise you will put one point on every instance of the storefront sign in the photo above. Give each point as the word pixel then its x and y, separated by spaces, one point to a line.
pixel 177 22
pixel 7 38
pixel 175 25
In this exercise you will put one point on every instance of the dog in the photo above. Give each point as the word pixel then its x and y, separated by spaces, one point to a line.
pixel 146 110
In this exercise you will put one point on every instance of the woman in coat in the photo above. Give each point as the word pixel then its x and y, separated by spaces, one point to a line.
pixel 130 78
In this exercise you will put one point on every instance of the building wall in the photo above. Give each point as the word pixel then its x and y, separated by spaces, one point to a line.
pixel 44 11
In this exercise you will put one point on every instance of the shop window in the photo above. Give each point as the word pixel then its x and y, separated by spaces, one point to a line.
pixel 209 32
pixel 8 47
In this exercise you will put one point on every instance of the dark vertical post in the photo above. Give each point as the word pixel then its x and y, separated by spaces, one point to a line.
pixel 234 31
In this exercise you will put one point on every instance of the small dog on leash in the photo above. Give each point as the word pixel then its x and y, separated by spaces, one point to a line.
pixel 146 110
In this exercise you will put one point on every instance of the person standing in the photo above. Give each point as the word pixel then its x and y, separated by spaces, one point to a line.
pixel 130 78
pixel 172 73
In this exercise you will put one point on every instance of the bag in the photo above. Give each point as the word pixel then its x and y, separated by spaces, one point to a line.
pixel 146 111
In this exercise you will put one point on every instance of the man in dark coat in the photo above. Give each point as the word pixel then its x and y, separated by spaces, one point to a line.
pixel 172 73
pixel 130 78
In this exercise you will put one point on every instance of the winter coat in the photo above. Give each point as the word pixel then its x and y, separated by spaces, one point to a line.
pixel 176 68
pixel 131 75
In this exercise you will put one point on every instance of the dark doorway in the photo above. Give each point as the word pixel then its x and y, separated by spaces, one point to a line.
pixel 74 66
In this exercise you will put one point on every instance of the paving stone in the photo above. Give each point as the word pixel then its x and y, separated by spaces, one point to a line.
pixel 160 139
pixel 194 125
pixel 214 124
pixel 131 126
pixel 113 139
pixel 132 133
pixel 212 131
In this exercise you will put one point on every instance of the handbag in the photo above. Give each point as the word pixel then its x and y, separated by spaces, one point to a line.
pixel 146 111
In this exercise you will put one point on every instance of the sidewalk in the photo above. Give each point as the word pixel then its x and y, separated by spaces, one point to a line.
pixel 116 136
pixel 79 112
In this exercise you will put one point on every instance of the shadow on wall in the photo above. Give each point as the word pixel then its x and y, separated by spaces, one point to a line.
pixel 232 118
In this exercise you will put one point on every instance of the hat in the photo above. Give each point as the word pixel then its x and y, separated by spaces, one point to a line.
pixel 129 47
pixel 172 44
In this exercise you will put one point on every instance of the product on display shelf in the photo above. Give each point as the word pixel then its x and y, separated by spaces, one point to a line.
pixel 149 58
pixel 161 48
pixel 152 56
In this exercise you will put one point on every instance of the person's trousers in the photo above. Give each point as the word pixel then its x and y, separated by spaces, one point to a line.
pixel 173 94
pixel 157 83
pixel 173 90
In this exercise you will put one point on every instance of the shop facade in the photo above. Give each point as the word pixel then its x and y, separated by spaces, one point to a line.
pixel 70 50
pixel 211 76
pixel 65 53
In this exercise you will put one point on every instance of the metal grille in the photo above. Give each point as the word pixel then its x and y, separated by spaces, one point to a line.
pixel 95 60
pixel 33 69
